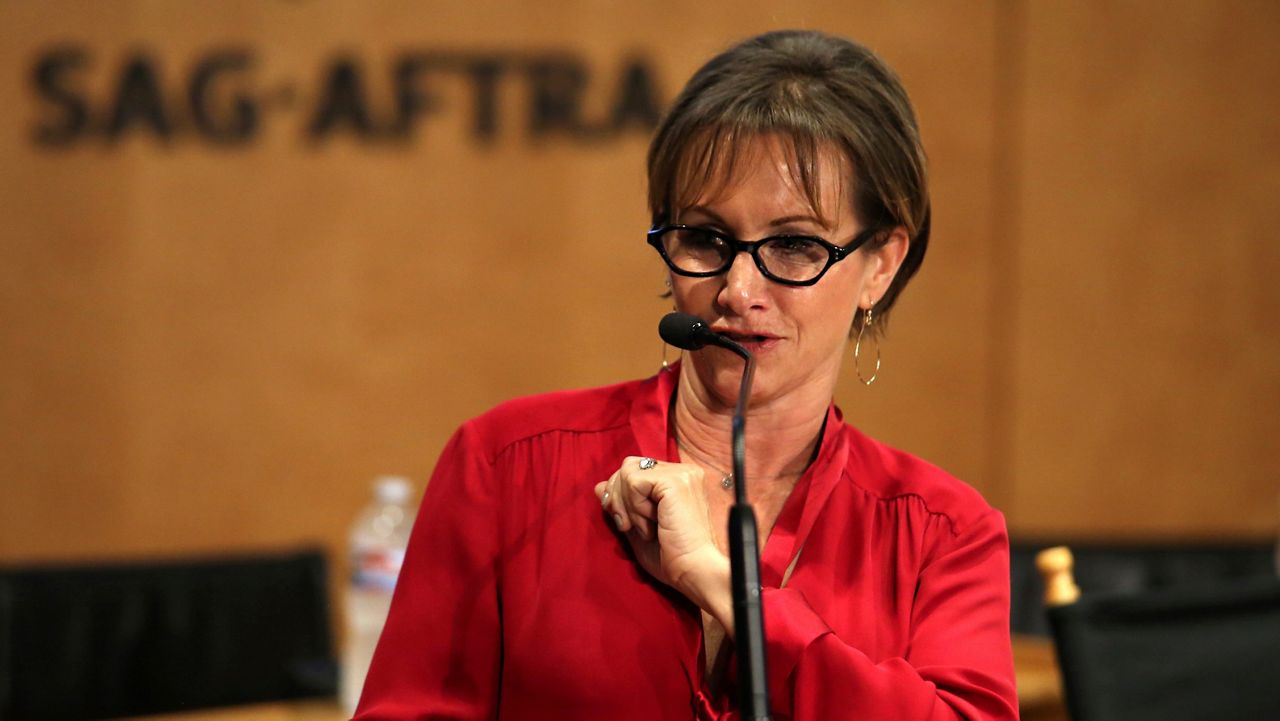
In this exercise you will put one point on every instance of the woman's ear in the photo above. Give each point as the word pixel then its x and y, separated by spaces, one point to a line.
pixel 882 265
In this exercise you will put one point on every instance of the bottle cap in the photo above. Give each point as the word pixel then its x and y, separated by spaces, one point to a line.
pixel 392 489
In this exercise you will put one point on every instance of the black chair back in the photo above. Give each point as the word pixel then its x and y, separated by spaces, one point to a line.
pixel 1131 568
pixel 1173 654
pixel 129 639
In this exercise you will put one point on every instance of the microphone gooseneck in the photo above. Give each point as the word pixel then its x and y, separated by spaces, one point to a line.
pixel 689 332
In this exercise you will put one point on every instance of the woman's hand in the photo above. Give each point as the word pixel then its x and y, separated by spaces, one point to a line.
pixel 662 509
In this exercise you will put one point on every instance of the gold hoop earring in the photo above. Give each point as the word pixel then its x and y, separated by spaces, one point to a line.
pixel 665 364
pixel 857 351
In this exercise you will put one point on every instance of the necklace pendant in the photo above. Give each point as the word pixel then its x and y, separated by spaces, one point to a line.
pixel 727 481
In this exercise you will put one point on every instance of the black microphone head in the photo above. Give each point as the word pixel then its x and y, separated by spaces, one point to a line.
pixel 688 332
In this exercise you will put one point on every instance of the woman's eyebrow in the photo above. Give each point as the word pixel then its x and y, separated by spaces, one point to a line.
pixel 800 219
pixel 711 214
pixel 775 223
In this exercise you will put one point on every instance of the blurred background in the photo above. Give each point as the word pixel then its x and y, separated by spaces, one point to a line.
pixel 255 253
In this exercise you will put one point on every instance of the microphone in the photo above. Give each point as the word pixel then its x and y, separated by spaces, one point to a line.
pixel 689 332
pixel 686 331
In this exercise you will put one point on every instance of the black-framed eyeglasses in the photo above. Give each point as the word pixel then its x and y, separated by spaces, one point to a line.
pixel 788 259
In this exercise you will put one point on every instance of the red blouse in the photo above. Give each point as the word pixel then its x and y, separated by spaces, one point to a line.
pixel 518 600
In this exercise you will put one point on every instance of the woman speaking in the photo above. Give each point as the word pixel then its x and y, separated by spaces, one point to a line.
pixel 571 558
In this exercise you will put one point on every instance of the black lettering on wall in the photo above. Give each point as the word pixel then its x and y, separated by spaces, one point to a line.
pixel 139 102
pixel 52 78
pixel 217 101
pixel 556 86
pixel 637 105
pixel 485 72
pixel 412 100
pixel 235 119
pixel 343 104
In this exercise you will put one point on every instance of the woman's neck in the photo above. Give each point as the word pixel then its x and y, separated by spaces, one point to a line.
pixel 781 437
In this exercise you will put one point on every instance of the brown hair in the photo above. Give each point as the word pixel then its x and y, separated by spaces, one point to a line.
pixel 815 90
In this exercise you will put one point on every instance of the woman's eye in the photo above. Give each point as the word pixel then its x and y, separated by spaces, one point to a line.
pixel 796 247
pixel 699 238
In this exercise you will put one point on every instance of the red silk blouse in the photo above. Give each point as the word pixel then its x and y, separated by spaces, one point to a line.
pixel 518 600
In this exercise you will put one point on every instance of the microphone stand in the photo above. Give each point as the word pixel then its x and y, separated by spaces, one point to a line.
pixel 744 563
pixel 691 333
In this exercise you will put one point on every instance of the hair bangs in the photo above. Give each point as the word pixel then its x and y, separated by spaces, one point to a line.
pixel 708 159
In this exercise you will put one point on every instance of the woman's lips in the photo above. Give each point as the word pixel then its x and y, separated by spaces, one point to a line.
pixel 754 342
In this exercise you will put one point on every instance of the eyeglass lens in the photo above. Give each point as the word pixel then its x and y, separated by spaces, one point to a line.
pixel 694 250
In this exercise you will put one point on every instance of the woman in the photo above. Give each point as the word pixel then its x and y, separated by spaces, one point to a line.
pixel 885 579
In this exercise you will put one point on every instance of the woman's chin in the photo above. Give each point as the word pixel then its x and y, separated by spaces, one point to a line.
pixel 720 381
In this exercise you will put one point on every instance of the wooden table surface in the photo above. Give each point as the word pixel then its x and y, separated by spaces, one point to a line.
pixel 1039 682
pixel 308 710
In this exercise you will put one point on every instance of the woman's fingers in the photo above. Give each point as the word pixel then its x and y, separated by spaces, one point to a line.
pixel 630 512
pixel 662 509
pixel 607 494
pixel 636 482
pixel 633 494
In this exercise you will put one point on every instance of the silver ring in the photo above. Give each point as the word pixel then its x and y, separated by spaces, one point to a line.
pixel 604 500
pixel 646 463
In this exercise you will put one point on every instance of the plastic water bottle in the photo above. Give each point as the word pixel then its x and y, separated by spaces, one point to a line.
pixel 378 540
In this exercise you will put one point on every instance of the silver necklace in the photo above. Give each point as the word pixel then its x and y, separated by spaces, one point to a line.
pixel 726 477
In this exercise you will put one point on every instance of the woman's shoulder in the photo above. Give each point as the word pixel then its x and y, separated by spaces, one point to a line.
pixel 581 410
pixel 891 474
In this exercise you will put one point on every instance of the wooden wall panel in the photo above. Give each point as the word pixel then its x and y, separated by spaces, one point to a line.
pixel 210 348
pixel 1147 322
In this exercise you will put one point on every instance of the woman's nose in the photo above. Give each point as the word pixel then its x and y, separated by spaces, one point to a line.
pixel 745 288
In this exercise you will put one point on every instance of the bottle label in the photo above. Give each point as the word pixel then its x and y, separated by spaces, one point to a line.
pixel 376 568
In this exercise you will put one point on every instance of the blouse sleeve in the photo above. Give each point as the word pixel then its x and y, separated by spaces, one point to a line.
pixel 440 650
pixel 959 663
